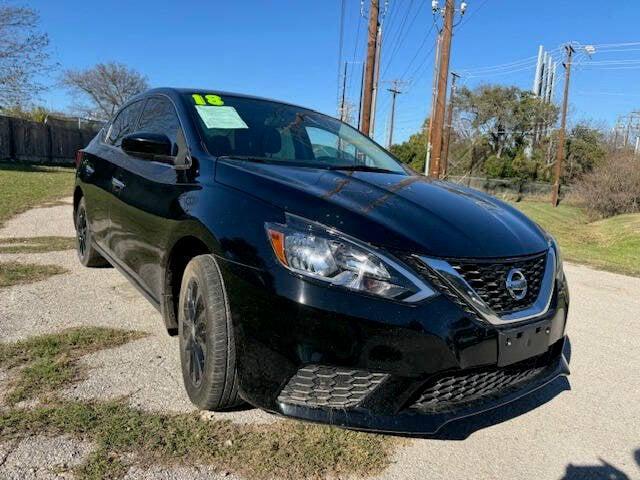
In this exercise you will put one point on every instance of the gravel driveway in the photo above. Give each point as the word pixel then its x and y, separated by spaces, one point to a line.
pixel 585 428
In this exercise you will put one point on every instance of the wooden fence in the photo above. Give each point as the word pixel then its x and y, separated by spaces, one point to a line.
pixel 32 142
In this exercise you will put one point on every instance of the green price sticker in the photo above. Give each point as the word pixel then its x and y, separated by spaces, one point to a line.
pixel 209 99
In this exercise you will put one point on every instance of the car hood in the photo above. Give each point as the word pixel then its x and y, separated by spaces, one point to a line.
pixel 406 213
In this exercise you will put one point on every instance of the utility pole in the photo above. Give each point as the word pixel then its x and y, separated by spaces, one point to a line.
pixel 376 80
pixel 434 94
pixel 369 74
pixel 563 125
pixel 447 140
pixel 395 91
pixel 344 92
pixel 443 73
pixel 361 99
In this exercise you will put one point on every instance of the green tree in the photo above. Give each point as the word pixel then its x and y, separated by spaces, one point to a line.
pixel 35 114
pixel 414 151
pixel 585 149
pixel 505 115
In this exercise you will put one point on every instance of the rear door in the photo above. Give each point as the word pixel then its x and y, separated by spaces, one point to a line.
pixel 144 210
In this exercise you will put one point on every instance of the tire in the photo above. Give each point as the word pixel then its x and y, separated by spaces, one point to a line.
pixel 207 348
pixel 87 254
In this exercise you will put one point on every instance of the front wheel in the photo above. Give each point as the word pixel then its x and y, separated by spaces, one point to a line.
pixel 207 349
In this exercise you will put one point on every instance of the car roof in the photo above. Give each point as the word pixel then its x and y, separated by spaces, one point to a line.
pixel 178 91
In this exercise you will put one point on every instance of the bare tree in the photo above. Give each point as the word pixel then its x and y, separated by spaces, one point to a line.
pixel 23 55
pixel 106 86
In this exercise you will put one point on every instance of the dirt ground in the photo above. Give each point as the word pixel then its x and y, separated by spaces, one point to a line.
pixel 585 428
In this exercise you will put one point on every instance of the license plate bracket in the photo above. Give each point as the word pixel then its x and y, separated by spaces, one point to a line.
pixel 517 344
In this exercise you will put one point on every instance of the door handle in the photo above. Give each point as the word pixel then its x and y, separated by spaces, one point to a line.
pixel 117 184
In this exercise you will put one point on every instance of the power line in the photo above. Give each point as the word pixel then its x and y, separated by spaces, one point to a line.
pixel 498 73
pixel 613 45
pixel 413 59
pixel 506 66
pixel 359 20
pixel 630 67
pixel 466 20
pixel 402 38
pixel 612 94
pixel 410 83
pixel 340 45
pixel 612 62
pixel 615 50
pixel 414 75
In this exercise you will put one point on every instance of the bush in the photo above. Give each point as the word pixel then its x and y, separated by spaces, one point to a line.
pixel 497 167
pixel 613 187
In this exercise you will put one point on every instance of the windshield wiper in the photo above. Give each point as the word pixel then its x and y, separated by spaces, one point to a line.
pixel 350 168
pixel 359 168
pixel 248 158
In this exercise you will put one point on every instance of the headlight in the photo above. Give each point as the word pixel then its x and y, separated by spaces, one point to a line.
pixel 556 248
pixel 321 253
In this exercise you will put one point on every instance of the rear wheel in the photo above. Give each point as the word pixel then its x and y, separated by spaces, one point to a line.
pixel 207 349
pixel 87 254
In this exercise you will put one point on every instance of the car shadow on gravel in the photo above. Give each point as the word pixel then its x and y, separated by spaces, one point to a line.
pixel 462 429
pixel 603 470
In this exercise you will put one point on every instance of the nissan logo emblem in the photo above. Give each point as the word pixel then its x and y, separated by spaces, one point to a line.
pixel 516 284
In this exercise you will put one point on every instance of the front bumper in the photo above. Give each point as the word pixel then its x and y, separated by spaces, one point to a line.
pixel 415 422
pixel 368 362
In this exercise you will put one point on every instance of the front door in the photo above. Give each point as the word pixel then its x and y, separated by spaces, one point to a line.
pixel 99 170
pixel 144 211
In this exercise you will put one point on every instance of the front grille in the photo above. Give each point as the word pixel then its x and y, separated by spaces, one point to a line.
pixel 435 280
pixel 488 279
pixel 333 387
pixel 454 391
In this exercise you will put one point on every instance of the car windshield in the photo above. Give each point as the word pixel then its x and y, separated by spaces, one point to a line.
pixel 248 129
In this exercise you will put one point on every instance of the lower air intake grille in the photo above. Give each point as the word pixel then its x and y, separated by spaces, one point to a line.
pixel 452 392
pixel 322 386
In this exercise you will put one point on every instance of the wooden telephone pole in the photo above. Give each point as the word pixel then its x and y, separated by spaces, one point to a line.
pixel 435 133
pixel 563 125
pixel 434 95
pixel 395 91
pixel 369 73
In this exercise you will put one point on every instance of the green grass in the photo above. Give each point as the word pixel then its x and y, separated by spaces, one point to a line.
pixel 50 362
pixel 14 273
pixel 284 450
pixel 611 244
pixel 124 436
pixel 24 187
pixel 36 244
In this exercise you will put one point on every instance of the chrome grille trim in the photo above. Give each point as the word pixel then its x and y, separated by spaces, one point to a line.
pixel 458 283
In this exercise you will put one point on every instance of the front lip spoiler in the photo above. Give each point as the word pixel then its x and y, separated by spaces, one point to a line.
pixel 414 423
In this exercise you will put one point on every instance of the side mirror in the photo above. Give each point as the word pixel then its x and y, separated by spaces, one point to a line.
pixel 148 145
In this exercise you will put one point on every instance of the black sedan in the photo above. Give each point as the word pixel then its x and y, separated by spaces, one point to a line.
pixel 309 273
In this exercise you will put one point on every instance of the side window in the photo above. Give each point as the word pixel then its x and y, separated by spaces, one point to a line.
pixel 159 116
pixel 124 123
pixel 327 144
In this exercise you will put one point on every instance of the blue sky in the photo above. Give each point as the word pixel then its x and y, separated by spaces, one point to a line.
pixel 289 49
